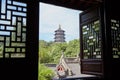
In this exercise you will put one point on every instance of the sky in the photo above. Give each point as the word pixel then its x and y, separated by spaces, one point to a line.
pixel 52 16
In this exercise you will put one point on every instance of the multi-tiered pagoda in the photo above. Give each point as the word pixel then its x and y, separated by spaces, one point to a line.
pixel 59 35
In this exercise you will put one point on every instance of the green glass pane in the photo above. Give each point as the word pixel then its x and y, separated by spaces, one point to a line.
pixel 1 49
pixel 13 36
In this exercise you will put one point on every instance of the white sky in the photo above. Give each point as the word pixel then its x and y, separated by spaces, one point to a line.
pixel 50 18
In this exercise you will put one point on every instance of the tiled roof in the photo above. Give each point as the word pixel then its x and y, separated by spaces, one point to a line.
pixel 75 67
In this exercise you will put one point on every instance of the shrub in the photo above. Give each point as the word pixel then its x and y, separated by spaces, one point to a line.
pixel 45 73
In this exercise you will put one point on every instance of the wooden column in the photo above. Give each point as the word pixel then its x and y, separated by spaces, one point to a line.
pixel 111 56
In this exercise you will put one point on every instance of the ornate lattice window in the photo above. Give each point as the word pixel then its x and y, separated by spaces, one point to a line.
pixel 91 40
pixel 115 35
pixel 13 22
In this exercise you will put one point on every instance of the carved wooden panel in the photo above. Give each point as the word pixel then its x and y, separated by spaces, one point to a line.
pixel 91 40
pixel 13 22
pixel 115 35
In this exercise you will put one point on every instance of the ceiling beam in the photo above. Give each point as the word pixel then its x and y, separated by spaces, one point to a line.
pixel 74 4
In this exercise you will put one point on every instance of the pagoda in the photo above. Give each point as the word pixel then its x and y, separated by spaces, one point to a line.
pixel 59 35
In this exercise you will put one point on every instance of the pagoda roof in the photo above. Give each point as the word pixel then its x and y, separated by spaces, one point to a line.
pixel 59 29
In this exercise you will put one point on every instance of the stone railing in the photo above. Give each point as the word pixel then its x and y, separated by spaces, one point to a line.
pixel 72 59
pixel 50 64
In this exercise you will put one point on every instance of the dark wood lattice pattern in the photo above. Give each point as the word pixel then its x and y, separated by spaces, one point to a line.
pixel 115 33
pixel 91 40
pixel 13 20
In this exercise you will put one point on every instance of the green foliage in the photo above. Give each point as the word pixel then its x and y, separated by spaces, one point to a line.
pixel 73 48
pixel 45 73
pixel 50 52
pixel 44 52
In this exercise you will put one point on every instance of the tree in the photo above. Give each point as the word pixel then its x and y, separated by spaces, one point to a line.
pixel 44 55
pixel 50 52
pixel 73 48
pixel 45 73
